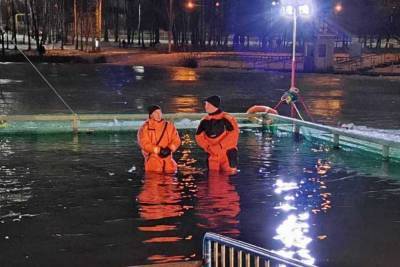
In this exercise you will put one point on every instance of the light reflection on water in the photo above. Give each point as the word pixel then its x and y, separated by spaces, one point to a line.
pixel 184 75
pixel 160 197
pixel 129 89
pixel 280 200
pixel 298 202
pixel 185 103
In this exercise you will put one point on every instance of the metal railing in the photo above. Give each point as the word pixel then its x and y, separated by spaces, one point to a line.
pixel 10 124
pixel 385 144
pixel 219 250
pixel 47 123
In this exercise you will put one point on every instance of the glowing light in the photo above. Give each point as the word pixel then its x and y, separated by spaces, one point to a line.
pixel 304 216
pixel 288 10
pixel 304 10
pixel 338 8
pixel 217 4
pixel 291 233
pixel 285 207
pixel 138 69
pixel 190 5
pixel 283 186
pixel 289 198
pixel 298 7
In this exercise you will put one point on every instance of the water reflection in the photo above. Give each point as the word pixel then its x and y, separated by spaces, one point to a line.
pixel 185 103
pixel 13 189
pixel 139 72
pixel 299 199
pixel 183 74
pixel 218 205
pixel 7 81
pixel 164 199
pixel 160 197
pixel 327 103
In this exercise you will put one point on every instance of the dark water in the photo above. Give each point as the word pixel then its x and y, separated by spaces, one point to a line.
pixel 71 200
pixel 332 99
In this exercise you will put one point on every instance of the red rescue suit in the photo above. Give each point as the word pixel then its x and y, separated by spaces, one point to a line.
pixel 153 137
pixel 218 135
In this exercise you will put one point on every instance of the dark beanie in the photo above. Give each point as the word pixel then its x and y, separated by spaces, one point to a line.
pixel 153 108
pixel 214 100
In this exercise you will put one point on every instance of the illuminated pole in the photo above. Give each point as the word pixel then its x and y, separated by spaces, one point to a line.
pixel 292 84
pixel 294 9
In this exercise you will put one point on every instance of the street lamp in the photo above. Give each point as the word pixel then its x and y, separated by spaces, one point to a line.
pixel 190 5
pixel 338 8
pixel 293 9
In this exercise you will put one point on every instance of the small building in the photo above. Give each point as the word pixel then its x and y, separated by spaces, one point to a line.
pixel 324 52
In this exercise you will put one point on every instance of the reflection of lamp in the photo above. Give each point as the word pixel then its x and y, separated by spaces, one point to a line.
pixel 293 232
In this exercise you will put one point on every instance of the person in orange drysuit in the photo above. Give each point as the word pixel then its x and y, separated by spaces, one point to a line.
pixel 218 135
pixel 158 140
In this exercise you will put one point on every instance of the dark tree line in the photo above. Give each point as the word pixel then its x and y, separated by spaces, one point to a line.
pixel 196 23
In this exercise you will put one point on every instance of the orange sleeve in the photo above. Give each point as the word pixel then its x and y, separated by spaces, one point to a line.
pixel 144 140
pixel 200 138
pixel 231 138
pixel 174 137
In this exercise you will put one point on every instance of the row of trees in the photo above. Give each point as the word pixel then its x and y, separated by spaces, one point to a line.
pixel 200 23
pixel 372 20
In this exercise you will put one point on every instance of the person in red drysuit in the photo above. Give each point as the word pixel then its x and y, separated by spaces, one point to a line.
pixel 218 135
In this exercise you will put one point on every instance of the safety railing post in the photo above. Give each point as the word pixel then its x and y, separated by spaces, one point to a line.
pixel 296 129
pixel 207 252
pixel 385 152
pixel 75 124
pixel 335 140
pixel 214 253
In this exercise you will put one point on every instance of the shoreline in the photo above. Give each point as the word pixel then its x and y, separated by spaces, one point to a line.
pixel 151 58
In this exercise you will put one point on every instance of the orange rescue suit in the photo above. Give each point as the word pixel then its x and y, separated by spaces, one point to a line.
pixel 218 135
pixel 153 136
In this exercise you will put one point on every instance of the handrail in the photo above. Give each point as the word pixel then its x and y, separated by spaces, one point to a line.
pixel 335 130
pixel 86 117
pixel 83 122
pixel 258 253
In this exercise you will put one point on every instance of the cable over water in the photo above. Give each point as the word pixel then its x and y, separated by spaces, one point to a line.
pixel 47 82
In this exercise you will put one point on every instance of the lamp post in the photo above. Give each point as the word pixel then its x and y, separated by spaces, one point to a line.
pixel 294 9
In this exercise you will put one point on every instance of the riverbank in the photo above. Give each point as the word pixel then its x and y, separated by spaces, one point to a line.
pixel 263 61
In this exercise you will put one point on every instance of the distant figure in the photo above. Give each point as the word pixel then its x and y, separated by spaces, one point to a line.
pixel 158 140
pixel 218 135
pixel 41 50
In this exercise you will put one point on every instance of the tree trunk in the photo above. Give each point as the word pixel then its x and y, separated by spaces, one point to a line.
pixel 116 16
pixel 14 24
pixel 3 52
pixel 35 23
pixel 76 40
pixel 28 27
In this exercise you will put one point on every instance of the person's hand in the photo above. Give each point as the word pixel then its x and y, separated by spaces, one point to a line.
pixel 164 152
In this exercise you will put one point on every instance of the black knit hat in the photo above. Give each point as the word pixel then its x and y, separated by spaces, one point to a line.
pixel 152 108
pixel 214 100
